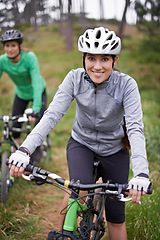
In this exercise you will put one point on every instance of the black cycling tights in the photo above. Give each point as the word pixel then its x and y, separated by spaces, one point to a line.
pixel 114 167
pixel 19 106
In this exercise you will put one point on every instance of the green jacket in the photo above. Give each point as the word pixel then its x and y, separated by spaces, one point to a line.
pixel 27 78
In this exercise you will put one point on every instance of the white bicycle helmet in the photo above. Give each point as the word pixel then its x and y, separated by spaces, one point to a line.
pixel 99 41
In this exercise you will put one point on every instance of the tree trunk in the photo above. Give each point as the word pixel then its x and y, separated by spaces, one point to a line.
pixel 66 24
pixel 101 8
pixel 35 26
pixel 123 21
pixel 83 19
pixel 16 12
pixel 69 32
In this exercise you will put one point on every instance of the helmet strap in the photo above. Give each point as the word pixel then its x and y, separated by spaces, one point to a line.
pixel 113 57
pixel 84 55
pixel 14 57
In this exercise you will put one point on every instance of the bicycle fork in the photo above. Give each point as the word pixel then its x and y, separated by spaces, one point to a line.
pixel 74 206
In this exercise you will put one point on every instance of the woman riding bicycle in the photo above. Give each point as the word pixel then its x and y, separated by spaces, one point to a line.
pixel 107 103
pixel 22 67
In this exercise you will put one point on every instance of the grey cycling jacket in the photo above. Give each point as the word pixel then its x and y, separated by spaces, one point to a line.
pixel 100 113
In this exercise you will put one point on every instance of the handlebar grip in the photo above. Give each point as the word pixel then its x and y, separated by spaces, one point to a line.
pixel 7 161
pixel 149 190
pixel 29 168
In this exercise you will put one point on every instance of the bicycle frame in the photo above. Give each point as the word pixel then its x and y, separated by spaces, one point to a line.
pixel 7 146
pixel 114 190
pixel 8 138
pixel 7 132
pixel 74 206
pixel 95 227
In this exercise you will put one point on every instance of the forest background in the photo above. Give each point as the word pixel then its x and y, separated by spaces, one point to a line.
pixel 32 211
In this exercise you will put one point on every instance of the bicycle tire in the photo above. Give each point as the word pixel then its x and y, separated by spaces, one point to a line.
pixel 62 235
pixel 4 178
pixel 98 202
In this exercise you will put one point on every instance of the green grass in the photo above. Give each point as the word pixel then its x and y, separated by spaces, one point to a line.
pixel 26 214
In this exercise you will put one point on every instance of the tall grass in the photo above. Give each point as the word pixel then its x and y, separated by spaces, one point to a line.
pixel 26 214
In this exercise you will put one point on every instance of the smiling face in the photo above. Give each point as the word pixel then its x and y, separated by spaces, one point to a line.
pixel 12 50
pixel 99 66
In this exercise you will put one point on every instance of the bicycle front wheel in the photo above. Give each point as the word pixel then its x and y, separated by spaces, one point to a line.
pixel 96 217
pixel 62 235
pixel 4 178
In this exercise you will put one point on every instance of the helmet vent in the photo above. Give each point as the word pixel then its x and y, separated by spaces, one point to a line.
pixel 113 42
pixel 88 45
pixel 96 44
pixel 87 36
pixel 81 44
pixel 98 35
pixel 109 37
pixel 105 46
pixel 114 46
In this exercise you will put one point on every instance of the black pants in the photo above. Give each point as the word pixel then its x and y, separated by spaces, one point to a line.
pixel 114 167
pixel 19 106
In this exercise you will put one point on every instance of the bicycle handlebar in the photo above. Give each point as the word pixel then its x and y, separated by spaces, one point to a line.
pixel 7 118
pixel 19 118
pixel 40 176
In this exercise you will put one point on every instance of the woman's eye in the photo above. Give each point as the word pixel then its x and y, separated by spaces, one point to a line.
pixel 91 58
pixel 105 59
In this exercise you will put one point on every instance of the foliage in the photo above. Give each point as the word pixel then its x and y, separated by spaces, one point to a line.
pixel 143 220
pixel 144 50
pixel 19 11
pixel 148 15
pixel 149 50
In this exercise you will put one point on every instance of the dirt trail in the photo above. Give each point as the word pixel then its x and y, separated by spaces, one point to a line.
pixel 46 200
pixel 48 209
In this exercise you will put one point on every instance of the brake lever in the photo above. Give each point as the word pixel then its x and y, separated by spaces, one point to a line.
pixel 27 177
pixel 122 198
pixel 39 179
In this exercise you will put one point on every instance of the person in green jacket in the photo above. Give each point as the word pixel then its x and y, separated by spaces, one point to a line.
pixel 23 68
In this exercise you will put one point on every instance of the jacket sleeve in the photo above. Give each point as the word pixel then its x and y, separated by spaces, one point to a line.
pixel 37 82
pixel 1 71
pixel 56 110
pixel 134 126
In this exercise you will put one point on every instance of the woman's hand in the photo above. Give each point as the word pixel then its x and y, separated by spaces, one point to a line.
pixel 136 195
pixel 18 162
pixel 138 187
pixel 32 119
pixel 33 116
